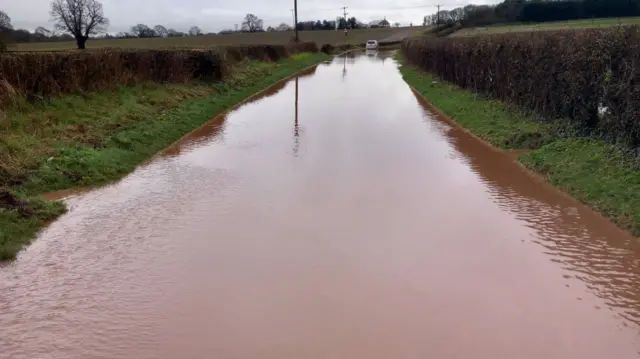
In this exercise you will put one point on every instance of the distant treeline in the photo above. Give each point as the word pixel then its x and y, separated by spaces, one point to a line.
pixel 534 11
pixel 342 23
pixel 40 35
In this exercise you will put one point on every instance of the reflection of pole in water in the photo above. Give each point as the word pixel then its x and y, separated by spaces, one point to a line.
pixel 296 130
pixel 344 67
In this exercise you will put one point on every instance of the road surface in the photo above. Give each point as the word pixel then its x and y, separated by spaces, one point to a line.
pixel 333 217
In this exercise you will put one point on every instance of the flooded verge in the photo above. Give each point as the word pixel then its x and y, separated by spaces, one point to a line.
pixel 335 216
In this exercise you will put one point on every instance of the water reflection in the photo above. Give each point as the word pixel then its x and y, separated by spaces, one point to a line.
pixel 215 127
pixel 344 67
pixel 348 58
pixel 588 246
pixel 296 130
pixel 384 55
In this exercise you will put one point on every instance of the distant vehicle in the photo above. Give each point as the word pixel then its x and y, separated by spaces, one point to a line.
pixel 372 45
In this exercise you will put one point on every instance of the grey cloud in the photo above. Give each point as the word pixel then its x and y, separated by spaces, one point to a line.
pixel 214 15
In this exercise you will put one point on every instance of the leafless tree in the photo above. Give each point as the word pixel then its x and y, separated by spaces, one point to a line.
pixel 80 18
pixel 174 33
pixel 142 30
pixel 5 26
pixel 5 21
pixel 283 27
pixel 161 31
pixel 43 32
pixel 457 14
pixel 251 23
pixel 195 31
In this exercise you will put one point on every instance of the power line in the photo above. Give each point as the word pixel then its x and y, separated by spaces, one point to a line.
pixel 414 7
pixel 327 9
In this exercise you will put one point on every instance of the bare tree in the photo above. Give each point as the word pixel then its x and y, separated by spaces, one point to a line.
pixel 80 18
pixel 195 31
pixel 251 23
pixel 5 26
pixel 43 32
pixel 457 14
pixel 142 30
pixel 283 27
pixel 5 21
pixel 161 31
pixel 174 33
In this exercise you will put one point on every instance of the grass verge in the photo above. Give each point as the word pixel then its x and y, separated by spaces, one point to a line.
pixel 490 120
pixel 94 138
pixel 594 172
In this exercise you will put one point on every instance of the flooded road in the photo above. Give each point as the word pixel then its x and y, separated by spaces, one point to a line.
pixel 335 216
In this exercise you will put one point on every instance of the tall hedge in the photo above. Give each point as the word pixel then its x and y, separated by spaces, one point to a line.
pixel 590 77
pixel 41 75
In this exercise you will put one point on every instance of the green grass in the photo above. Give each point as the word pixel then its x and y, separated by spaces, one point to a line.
pixel 262 38
pixel 91 139
pixel 499 125
pixel 19 225
pixel 594 172
pixel 547 26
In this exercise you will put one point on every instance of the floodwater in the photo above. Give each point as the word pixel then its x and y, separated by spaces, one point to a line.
pixel 335 216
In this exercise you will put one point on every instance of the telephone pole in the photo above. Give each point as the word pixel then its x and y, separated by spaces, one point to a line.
pixel 438 20
pixel 295 18
pixel 346 24
pixel 344 10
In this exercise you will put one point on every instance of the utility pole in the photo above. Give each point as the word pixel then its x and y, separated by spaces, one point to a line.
pixel 295 18
pixel 346 24
pixel 438 20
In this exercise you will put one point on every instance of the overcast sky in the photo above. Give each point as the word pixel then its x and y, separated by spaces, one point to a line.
pixel 215 15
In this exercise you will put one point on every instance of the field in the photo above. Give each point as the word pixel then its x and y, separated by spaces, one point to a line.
pixel 262 38
pixel 561 25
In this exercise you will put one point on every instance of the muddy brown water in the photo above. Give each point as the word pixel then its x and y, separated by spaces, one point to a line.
pixel 335 216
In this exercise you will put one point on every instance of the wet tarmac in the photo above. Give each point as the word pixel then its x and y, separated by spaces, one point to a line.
pixel 333 216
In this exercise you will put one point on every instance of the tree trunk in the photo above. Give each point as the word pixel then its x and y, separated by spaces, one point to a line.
pixel 81 41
